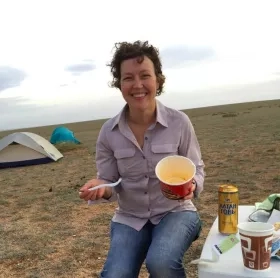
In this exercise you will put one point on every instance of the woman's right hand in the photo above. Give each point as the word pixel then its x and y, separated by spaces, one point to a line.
pixel 86 194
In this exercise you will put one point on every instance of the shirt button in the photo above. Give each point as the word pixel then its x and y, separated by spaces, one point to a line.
pixel 146 192
pixel 144 157
pixel 146 176
pixel 146 138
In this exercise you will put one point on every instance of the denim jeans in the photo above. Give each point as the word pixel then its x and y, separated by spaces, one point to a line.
pixel 162 246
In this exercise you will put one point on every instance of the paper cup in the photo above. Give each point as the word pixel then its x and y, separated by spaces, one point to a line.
pixel 256 241
pixel 176 175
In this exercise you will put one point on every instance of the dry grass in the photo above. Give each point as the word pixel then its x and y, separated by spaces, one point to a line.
pixel 47 231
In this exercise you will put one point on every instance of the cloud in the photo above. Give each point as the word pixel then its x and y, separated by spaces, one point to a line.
pixel 79 68
pixel 10 77
pixel 15 111
pixel 180 54
pixel 18 111
pixel 21 104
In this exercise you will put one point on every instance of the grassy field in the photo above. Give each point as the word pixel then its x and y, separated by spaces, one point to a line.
pixel 47 231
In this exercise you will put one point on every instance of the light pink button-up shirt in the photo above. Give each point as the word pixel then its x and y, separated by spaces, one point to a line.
pixel 118 155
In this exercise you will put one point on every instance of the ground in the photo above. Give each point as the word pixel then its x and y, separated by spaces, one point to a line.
pixel 47 231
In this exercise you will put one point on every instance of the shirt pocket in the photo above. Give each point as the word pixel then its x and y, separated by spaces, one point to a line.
pixel 162 150
pixel 129 162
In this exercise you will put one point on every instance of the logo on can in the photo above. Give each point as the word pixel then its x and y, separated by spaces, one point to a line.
pixel 228 209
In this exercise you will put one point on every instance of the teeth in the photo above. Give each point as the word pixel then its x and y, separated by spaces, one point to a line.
pixel 139 95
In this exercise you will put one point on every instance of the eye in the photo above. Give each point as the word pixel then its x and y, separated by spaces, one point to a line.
pixel 127 78
pixel 146 75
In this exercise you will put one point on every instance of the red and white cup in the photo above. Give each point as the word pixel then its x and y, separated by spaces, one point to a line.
pixel 175 174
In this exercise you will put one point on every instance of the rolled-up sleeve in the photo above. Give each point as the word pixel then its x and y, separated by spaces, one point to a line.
pixel 190 148
pixel 106 163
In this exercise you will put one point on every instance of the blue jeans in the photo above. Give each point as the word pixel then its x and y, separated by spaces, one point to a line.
pixel 162 246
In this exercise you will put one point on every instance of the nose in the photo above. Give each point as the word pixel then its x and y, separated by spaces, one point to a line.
pixel 137 83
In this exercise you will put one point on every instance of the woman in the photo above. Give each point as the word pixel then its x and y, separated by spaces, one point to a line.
pixel 146 226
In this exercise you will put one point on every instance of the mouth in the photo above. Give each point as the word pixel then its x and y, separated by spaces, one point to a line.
pixel 139 95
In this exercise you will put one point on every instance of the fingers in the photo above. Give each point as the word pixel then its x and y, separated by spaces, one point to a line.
pixel 91 195
pixel 86 194
pixel 96 194
pixel 100 193
pixel 84 189
pixel 193 188
pixel 190 195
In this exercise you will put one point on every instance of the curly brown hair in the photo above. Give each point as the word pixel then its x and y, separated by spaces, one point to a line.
pixel 126 50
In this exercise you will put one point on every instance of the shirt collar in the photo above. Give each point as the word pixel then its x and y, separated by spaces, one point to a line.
pixel 161 117
pixel 119 118
pixel 161 114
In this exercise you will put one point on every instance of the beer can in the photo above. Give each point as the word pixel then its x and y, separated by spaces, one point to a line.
pixel 228 209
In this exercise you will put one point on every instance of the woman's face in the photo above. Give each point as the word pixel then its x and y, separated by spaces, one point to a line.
pixel 138 83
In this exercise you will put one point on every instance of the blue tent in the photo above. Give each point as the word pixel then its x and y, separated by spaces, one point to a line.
pixel 62 134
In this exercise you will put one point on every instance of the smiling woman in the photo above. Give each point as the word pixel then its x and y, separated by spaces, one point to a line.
pixel 137 73
pixel 129 146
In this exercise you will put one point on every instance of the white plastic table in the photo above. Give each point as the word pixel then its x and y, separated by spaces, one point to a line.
pixel 230 264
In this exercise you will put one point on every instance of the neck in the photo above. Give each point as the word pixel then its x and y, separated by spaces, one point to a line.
pixel 142 117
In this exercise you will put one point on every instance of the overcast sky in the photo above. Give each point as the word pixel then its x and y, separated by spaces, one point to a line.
pixel 53 54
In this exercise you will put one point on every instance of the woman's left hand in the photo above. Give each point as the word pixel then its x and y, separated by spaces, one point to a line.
pixel 191 194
